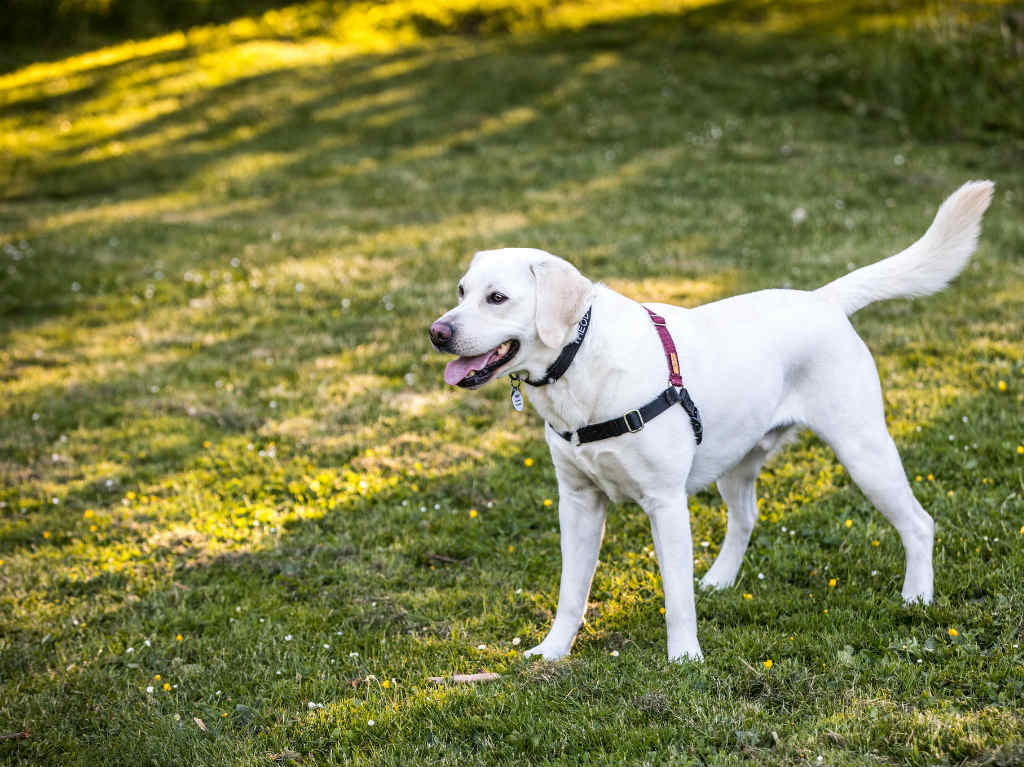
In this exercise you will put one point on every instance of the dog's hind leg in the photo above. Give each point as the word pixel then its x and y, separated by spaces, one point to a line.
pixel 738 489
pixel 853 424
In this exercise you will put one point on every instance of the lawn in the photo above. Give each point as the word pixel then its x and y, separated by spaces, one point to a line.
pixel 243 520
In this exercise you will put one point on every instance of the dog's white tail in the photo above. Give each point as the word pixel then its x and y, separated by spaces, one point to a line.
pixel 929 264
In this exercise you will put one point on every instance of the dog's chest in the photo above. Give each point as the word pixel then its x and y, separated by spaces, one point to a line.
pixel 623 468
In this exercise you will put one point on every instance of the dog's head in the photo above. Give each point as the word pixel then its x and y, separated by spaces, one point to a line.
pixel 516 308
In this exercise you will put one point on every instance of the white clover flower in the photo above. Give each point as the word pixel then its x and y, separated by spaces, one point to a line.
pixel 516 641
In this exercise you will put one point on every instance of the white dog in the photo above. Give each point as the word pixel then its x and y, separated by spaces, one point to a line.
pixel 757 366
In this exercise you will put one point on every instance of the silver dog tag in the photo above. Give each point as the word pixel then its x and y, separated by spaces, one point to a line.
pixel 517 399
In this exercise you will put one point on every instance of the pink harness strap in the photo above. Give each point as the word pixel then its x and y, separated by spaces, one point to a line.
pixel 669 346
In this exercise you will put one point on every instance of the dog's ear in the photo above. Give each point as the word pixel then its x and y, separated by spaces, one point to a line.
pixel 561 291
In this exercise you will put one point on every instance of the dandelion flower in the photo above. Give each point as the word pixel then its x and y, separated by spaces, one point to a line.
pixel 953 632
pixel 385 684
pixel 832 583
pixel 548 501
pixel 206 443
pixel 178 638
pixel 527 462
pixel 157 677
pixel 661 610
pixel 167 686
pixel 876 543
pixel 511 549
pixel 1020 449
pixel 473 513
pixel 849 523
pixel 918 478
pixel 46 533
pixel 931 477
pixel 748 596
pixel 767 664
pixel 1001 385
pixel 88 513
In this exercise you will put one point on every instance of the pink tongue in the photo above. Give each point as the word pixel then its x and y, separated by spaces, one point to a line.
pixel 459 368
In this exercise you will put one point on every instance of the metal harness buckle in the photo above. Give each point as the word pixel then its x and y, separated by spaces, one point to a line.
pixel 629 424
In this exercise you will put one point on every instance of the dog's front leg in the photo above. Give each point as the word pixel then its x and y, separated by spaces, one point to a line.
pixel 581 513
pixel 670 525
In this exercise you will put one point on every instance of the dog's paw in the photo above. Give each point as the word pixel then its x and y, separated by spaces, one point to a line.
pixel 547 652
pixel 686 656
pixel 713 581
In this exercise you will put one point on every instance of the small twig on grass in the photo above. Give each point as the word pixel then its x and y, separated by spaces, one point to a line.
pixel 14 735
pixel 443 558
pixel 484 676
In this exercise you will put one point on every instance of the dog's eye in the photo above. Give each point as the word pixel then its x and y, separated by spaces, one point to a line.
pixel 497 298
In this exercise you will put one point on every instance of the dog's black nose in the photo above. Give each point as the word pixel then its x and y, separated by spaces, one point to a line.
pixel 441 333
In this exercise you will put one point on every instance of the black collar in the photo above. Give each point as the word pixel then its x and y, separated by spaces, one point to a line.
pixel 560 365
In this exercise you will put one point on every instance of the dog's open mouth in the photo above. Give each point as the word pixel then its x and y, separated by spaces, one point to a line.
pixel 471 372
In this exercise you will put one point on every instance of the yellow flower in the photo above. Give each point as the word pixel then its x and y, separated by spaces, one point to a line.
pixel 1022 529
pixel 949 492
pixel 157 677
pixel 179 637
pixel 88 513
pixel 93 528
pixel 748 596
pixel 832 582
pixel 661 610
pixel 875 543
pixel 767 664
pixel 206 443
pixel 1001 385
pixel 917 478
pixel 130 495
pixel 1020 449
pixel 46 533
pixel 931 477
pixel 953 632
pixel 849 523
pixel 224 714
pixel 472 513
pixel 418 466
pixel 547 501
pixel 167 686
pixel 527 462
pixel 511 549
pixel 370 453
pixel 415 487
pixel 385 684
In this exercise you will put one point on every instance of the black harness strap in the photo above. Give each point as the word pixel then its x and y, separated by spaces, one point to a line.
pixel 635 420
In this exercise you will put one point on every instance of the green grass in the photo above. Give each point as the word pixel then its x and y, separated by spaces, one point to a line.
pixel 221 420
